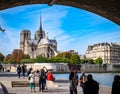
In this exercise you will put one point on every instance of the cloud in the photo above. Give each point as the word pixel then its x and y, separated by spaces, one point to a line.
pixel 89 31
pixel 51 24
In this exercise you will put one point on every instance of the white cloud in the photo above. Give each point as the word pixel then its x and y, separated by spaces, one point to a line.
pixel 53 18
pixel 51 23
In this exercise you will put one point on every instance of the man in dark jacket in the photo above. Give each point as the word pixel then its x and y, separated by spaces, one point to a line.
pixel 91 86
pixel 23 68
pixel 19 71
pixel 116 85
pixel 73 77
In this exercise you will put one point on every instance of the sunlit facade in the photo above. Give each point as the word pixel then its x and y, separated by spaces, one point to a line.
pixel 109 52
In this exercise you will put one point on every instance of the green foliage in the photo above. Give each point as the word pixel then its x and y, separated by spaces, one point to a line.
pixel 7 58
pixel 82 61
pixel 1 57
pixel 75 59
pixel 90 61
pixel 26 56
pixel 11 61
pixel 59 60
pixel 64 55
pixel 98 60
pixel 28 61
pixel 42 59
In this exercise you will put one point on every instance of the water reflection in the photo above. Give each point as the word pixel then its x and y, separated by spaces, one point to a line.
pixel 105 79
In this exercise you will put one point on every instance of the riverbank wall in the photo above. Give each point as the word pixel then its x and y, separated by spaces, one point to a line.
pixel 105 68
pixel 63 67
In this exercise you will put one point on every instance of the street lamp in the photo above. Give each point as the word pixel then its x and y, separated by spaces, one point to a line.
pixel 1 29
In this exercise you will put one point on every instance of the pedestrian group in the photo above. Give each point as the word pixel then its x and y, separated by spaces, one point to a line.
pixel 86 82
pixel 42 74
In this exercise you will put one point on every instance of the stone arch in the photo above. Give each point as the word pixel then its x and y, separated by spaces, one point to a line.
pixel 109 9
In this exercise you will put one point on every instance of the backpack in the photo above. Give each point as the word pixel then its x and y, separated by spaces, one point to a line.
pixel 29 78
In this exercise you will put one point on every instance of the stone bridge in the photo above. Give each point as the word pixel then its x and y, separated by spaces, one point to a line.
pixel 109 9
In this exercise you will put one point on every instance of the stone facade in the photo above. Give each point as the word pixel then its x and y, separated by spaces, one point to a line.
pixel 109 52
pixel 40 45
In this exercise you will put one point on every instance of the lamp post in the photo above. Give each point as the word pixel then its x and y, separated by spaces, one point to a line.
pixel 1 29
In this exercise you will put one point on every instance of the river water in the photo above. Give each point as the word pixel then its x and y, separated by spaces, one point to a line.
pixel 105 79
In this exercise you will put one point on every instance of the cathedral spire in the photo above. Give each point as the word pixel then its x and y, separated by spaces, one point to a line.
pixel 40 23
pixel 41 33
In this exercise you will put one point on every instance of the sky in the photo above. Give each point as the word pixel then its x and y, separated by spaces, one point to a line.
pixel 73 28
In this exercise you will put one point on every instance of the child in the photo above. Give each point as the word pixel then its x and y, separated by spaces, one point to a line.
pixel 32 81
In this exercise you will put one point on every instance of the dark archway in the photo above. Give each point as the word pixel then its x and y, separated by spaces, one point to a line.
pixel 109 9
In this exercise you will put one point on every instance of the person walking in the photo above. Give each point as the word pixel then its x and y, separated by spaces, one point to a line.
pixel 91 86
pixel 73 77
pixel 116 85
pixel 42 79
pixel 32 81
pixel 29 70
pixel 83 79
pixel 23 70
pixel 18 71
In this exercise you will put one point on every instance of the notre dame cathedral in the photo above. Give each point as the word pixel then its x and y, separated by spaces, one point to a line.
pixel 40 45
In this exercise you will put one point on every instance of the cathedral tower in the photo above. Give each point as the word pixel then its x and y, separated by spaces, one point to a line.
pixel 25 35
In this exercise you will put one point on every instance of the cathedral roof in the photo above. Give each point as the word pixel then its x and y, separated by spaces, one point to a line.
pixel 44 41
pixel 33 41
pixel 52 41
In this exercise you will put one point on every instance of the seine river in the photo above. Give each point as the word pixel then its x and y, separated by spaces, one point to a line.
pixel 104 79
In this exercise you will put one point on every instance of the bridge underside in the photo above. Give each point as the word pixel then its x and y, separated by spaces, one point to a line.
pixel 109 9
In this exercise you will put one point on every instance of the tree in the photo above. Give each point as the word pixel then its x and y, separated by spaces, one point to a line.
pixel 64 55
pixel 1 57
pixel 59 60
pixel 7 58
pixel 17 55
pixel 28 61
pixel 40 58
pixel 98 60
pixel 26 56
pixel 89 61
pixel 75 59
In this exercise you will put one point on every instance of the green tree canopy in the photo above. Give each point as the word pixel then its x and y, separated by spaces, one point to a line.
pixel 59 60
pixel 90 61
pixel 98 60
pixel 75 59
pixel 1 57
pixel 64 55
pixel 40 58
pixel 7 58
pixel 26 56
